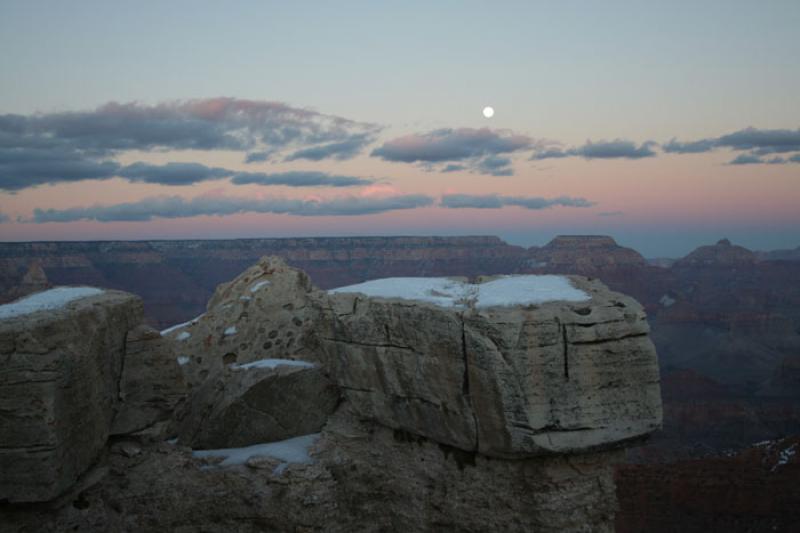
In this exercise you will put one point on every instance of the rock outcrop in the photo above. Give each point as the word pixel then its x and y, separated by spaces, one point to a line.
pixel 270 402
pixel 516 381
pixel 59 387
pixel 585 254
pixel 501 404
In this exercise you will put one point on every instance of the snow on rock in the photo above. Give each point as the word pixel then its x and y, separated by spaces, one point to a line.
pixel 230 330
pixel 183 335
pixel 181 325
pixel 47 300
pixel 272 363
pixel 527 290
pixel 260 284
pixel 295 450
pixel 448 292
pixel 182 360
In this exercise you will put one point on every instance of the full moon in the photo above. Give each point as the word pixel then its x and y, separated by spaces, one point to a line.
pixel 488 111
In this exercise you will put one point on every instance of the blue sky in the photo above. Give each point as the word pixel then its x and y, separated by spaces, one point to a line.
pixel 567 72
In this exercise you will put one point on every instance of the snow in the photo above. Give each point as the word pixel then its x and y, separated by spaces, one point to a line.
pixel 447 292
pixel 245 298
pixel 272 363
pixel 785 455
pixel 181 325
pixel 260 284
pixel 46 300
pixel 182 360
pixel 527 290
pixel 230 330
pixel 183 335
pixel 295 450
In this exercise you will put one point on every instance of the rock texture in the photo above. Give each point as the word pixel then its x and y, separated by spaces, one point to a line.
pixel 265 312
pixel 504 381
pixel 58 390
pixel 413 416
pixel 247 406
pixel 151 385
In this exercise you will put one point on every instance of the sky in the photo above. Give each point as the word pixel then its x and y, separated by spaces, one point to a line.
pixel 664 124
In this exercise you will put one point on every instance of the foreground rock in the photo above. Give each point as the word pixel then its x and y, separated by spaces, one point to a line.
pixel 446 405
pixel 62 358
pixel 265 401
pixel 505 381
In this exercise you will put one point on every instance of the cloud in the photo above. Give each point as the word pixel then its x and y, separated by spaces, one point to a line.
pixel 610 213
pixel 475 149
pixel 21 168
pixel 753 158
pixel 493 201
pixel 70 146
pixel 172 173
pixel 695 147
pixel 758 141
pixel 299 179
pixel 178 207
pixel 616 149
pixel 202 124
pixel 746 159
pixel 4 218
pixel 337 150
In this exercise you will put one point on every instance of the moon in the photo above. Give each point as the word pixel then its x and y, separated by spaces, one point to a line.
pixel 488 111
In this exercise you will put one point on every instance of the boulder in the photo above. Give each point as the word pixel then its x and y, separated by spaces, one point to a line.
pixel 266 401
pixel 62 354
pixel 504 380
pixel 151 385
pixel 263 313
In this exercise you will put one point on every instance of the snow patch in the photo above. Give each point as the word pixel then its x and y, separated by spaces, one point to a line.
pixel 230 330
pixel 295 450
pixel 191 322
pixel 183 335
pixel 260 284
pixel 272 363
pixel 447 292
pixel 182 360
pixel 245 298
pixel 46 300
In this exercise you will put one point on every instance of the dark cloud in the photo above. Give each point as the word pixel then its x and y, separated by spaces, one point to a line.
pixel 337 150
pixel 178 207
pixel 172 173
pixel 299 179
pixel 4 218
pixel 746 159
pixel 478 150
pixel 21 168
pixel 257 157
pixel 495 166
pixel 695 147
pixel 759 142
pixel 610 213
pixel 493 201
pixel 451 145
pixel 616 149
pixel 754 158
pixel 203 124
pixel 71 146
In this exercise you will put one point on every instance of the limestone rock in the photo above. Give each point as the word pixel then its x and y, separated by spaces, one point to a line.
pixel 252 405
pixel 517 381
pixel 151 385
pixel 58 389
pixel 263 313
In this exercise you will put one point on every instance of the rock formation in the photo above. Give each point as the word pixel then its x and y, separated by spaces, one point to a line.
pixel 500 404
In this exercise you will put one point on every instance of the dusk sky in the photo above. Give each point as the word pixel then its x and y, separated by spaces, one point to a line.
pixel 664 124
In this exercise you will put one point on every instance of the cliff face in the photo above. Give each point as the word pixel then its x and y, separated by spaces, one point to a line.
pixel 471 409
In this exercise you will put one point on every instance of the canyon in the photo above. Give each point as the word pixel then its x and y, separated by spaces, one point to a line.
pixel 725 322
